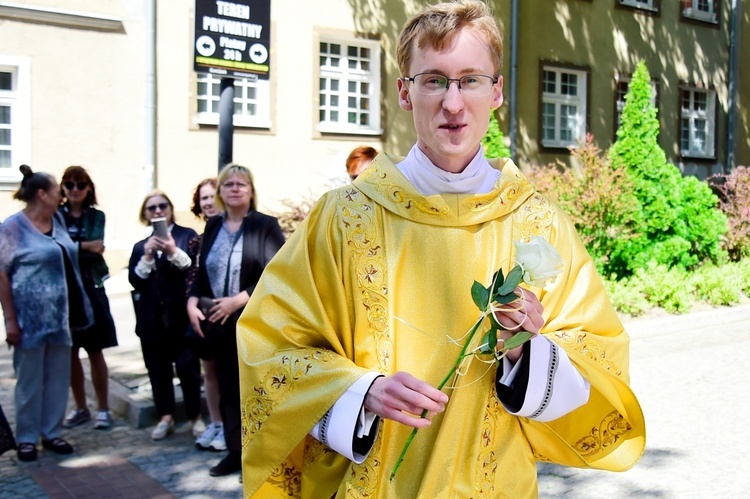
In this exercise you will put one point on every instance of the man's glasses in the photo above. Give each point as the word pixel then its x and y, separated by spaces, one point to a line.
pixel 80 185
pixel 437 84
pixel 239 185
pixel 160 206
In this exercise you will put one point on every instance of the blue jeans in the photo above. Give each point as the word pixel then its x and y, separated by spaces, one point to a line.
pixel 42 381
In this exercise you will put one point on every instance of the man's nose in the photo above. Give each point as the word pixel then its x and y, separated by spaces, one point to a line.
pixel 453 100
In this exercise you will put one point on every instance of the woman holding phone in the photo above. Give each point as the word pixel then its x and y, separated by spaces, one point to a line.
pixel 157 270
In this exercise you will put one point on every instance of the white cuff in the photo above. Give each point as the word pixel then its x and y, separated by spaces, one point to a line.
pixel 180 259
pixel 347 420
pixel 555 386
pixel 144 268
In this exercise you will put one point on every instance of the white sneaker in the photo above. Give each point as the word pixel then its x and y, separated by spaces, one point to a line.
pixel 204 441
pixel 218 443
pixel 162 430
pixel 103 420
pixel 198 427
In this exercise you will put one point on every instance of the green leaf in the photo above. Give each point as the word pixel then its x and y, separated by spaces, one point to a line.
pixel 497 281
pixel 480 295
pixel 489 341
pixel 514 277
pixel 517 340
pixel 505 299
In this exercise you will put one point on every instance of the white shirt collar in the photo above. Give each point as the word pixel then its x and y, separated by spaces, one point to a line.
pixel 477 178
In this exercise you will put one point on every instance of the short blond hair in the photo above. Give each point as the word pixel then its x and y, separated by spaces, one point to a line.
pixel 436 25
pixel 224 174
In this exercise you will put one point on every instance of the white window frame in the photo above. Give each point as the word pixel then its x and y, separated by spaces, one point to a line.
pixel 345 77
pixel 691 115
pixel 641 4
pixel 558 100
pixel 260 119
pixel 694 12
pixel 19 101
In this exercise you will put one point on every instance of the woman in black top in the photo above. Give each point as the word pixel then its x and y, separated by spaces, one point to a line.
pixel 237 245
pixel 157 270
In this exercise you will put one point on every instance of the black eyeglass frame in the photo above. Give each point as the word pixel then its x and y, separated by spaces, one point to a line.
pixel 160 206
pixel 81 185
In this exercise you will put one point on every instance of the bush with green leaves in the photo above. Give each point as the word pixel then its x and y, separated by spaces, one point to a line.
pixel 493 141
pixel 678 223
pixel 598 198
pixel 735 203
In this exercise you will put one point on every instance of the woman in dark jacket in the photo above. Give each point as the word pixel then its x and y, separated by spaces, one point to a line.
pixel 85 226
pixel 157 271
pixel 237 245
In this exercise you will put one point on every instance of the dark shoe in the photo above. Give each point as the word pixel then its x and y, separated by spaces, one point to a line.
pixel 76 417
pixel 26 452
pixel 232 463
pixel 58 446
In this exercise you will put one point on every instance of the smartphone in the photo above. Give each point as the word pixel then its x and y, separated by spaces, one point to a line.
pixel 161 230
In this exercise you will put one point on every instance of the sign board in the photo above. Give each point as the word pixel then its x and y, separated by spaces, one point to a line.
pixel 232 39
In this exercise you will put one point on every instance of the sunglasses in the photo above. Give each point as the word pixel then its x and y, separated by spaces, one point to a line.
pixel 160 206
pixel 71 185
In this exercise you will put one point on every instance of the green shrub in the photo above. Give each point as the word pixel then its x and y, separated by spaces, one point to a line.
pixel 668 288
pixel 627 296
pixel 717 285
pixel 735 203
pixel 493 141
pixel 598 198
pixel 678 223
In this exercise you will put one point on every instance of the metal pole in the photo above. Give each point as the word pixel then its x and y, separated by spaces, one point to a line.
pixel 226 121
pixel 513 97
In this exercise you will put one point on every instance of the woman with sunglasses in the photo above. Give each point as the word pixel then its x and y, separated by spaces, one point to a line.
pixel 157 271
pixel 236 247
pixel 85 226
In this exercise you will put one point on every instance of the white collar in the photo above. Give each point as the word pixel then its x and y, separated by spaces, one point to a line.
pixel 477 178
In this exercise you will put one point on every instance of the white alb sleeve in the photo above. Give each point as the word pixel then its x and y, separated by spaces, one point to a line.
pixel 348 420
pixel 555 386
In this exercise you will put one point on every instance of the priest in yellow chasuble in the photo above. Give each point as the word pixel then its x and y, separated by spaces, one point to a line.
pixel 364 311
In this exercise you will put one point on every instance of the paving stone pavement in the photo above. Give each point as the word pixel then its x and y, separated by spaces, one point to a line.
pixel 686 370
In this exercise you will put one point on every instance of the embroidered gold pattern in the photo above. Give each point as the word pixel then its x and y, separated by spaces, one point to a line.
pixel 368 259
pixel 607 433
pixel 288 479
pixel 484 483
pixel 582 343
pixel 276 385
pixel 394 193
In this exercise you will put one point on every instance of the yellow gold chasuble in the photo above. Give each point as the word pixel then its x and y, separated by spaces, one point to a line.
pixel 378 278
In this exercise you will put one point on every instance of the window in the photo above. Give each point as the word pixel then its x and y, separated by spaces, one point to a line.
pixel 641 4
pixel 697 122
pixel 15 120
pixel 349 86
pixel 623 83
pixel 563 120
pixel 702 10
pixel 252 101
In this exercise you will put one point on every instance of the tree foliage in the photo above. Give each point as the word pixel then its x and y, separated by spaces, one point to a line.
pixel 494 141
pixel 677 223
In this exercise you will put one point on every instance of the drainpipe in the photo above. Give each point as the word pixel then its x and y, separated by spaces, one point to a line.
pixel 513 97
pixel 149 124
pixel 732 83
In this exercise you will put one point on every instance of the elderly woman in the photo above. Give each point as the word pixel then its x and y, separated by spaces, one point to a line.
pixel 85 226
pixel 157 270
pixel 236 248
pixel 42 296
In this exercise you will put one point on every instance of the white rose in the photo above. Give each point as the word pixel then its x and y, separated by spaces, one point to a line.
pixel 540 261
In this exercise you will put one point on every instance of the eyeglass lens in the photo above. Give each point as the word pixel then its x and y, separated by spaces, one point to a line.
pixel 434 84
pixel 80 185
pixel 161 206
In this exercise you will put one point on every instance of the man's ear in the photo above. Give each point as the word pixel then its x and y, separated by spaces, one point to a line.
pixel 404 98
pixel 497 93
